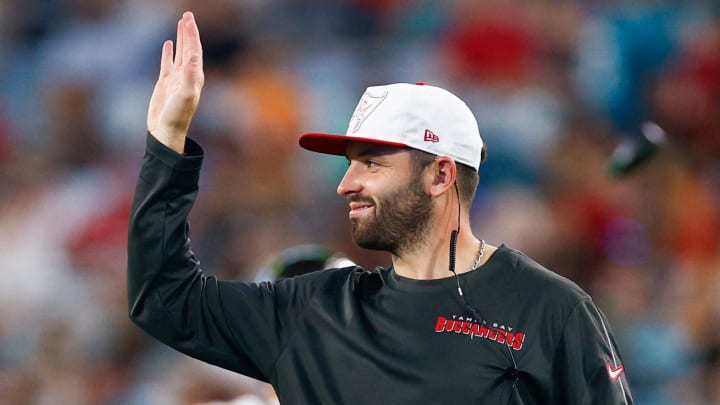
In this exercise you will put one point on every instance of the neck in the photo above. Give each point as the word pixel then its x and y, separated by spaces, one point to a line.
pixel 429 260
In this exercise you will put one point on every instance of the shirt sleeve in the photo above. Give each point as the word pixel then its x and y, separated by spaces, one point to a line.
pixel 238 326
pixel 588 368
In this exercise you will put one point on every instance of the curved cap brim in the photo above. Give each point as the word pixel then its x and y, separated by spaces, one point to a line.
pixel 334 144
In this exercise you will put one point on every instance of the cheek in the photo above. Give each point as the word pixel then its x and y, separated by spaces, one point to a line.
pixel 377 185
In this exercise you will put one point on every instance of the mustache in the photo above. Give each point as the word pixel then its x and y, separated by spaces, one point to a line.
pixel 360 199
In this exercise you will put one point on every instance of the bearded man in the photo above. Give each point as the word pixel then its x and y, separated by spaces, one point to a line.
pixel 452 321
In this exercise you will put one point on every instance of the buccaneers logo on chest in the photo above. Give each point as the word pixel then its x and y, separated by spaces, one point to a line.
pixel 493 332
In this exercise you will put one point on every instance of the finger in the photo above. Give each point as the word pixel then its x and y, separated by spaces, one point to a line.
pixel 192 47
pixel 179 42
pixel 166 61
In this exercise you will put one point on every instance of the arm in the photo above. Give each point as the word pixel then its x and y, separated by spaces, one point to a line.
pixel 230 324
pixel 588 368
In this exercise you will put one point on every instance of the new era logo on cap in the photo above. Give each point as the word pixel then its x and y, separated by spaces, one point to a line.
pixel 430 136
pixel 401 115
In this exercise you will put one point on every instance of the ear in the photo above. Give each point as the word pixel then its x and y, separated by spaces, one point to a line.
pixel 445 173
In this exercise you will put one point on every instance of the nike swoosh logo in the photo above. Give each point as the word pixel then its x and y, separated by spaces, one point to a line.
pixel 615 372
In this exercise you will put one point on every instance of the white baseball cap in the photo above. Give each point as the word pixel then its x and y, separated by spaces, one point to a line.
pixel 418 116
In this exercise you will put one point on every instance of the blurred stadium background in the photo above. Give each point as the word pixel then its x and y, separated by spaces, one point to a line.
pixel 556 86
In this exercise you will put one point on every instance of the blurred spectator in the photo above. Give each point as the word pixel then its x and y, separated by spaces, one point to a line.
pixel 687 96
pixel 301 259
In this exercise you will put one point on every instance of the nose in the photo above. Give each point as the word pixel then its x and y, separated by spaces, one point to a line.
pixel 348 184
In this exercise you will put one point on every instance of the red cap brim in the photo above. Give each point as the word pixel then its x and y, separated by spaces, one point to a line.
pixel 334 144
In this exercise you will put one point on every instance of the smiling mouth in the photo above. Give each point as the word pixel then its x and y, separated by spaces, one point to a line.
pixel 359 209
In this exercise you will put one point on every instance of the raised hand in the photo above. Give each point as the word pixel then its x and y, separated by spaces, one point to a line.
pixel 177 91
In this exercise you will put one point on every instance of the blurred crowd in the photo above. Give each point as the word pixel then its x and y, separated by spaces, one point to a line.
pixel 556 86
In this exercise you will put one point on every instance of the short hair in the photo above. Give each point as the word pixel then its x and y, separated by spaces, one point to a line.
pixel 467 177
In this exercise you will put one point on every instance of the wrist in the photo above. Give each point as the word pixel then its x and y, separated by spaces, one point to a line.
pixel 174 141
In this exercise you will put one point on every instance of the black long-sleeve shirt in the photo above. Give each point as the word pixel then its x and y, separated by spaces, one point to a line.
pixel 348 336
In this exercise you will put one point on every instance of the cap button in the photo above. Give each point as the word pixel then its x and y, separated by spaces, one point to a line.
pixel 420 83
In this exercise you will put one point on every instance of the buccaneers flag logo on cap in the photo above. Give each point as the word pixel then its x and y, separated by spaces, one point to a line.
pixel 368 103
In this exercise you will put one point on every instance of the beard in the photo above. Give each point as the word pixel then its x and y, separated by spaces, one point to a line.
pixel 400 220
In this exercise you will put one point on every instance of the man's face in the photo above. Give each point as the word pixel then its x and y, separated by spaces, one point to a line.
pixel 389 207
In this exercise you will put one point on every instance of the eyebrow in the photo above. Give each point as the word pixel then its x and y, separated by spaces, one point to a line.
pixel 371 150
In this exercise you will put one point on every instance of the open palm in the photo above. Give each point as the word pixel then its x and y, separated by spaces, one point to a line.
pixel 177 91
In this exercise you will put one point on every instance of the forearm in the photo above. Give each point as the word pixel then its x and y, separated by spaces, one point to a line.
pixel 157 233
